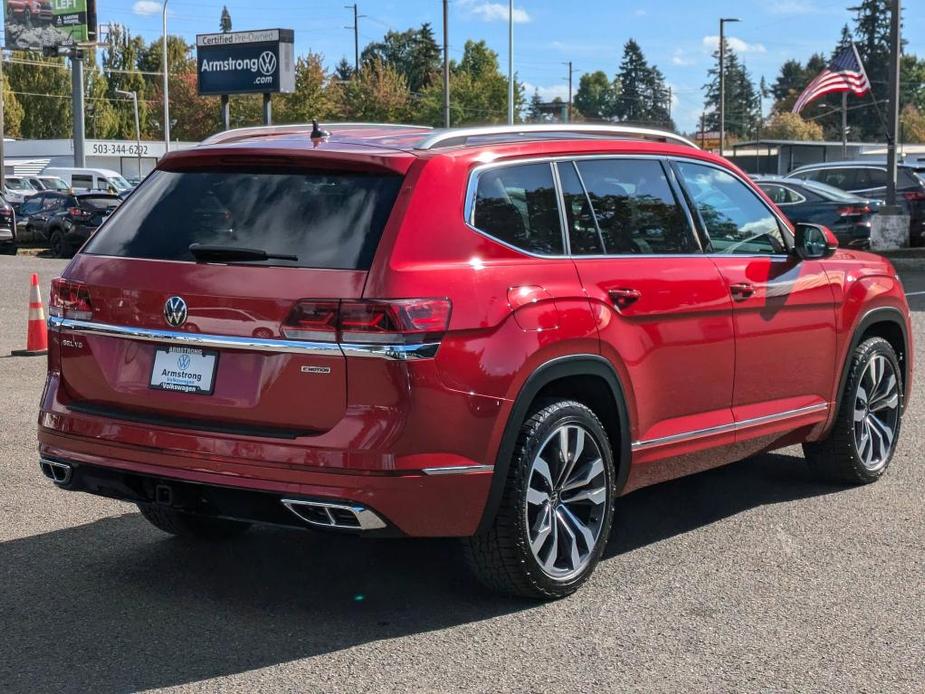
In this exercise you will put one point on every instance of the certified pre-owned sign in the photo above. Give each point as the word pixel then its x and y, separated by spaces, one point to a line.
pixel 246 62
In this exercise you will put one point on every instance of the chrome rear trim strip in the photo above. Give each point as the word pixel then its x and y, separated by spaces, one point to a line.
pixel 457 469
pixel 254 344
pixel 731 427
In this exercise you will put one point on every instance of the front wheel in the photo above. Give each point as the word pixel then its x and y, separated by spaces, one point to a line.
pixel 557 509
pixel 862 441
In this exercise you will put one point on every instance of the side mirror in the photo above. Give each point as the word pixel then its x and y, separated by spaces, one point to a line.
pixel 814 242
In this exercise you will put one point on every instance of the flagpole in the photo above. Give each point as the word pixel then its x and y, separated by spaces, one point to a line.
pixel 844 125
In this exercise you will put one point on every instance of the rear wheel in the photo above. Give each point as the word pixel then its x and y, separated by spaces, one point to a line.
pixel 57 245
pixel 187 525
pixel 863 438
pixel 557 508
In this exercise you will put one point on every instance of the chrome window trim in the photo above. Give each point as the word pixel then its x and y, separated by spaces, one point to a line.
pixel 399 352
pixel 728 428
pixel 476 172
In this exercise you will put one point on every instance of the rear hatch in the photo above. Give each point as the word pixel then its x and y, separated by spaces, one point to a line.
pixel 96 208
pixel 161 333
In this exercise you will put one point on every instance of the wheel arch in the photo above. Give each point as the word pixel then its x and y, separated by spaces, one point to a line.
pixel 587 378
pixel 890 324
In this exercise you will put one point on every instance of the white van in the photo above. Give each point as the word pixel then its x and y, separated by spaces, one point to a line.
pixel 91 179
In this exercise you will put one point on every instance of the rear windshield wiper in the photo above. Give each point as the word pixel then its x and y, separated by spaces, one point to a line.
pixel 205 252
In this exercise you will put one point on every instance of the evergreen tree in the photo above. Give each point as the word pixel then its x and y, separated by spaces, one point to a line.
pixel 44 92
pixel 12 111
pixel 643 94
pixel 224 24
pixel 596 97
pixel 413 53
pixel 535 112
pixel 120 62
pixel 742 101
pixel 343 72
pixel 378 93
pixel 312 99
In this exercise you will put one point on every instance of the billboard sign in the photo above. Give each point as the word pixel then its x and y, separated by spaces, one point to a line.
pixel 38 24
pixel 246 62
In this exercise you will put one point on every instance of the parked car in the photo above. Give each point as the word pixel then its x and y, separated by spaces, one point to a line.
pixel 17 190
pixel 29 11
pixel 105 180
pixel 847 215
pixel 64 221
pixel 867 178
pixel 8 245
pixel 48 183
pixel 489 333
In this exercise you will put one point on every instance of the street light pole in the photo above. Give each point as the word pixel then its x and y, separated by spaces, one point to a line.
pixel 2 131
pixel 722 81
pixel 446 64
pixel 164 67
pixel 134 97
pixel 510 62
pixel 893 120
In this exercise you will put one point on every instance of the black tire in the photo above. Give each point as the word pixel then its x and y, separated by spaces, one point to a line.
pixel 502 558
pixel 840 458
pixel 58 245
pixel 189 526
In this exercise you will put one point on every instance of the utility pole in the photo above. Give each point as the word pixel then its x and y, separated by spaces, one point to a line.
pixel 356 35
pixel 844 125
pixel 669 104
pixel 510 62
pixel 893 120
pixel 77 93
pixel 446 63
pixel 569 111
pixel 134 97
pixel 722 81
pixel 164 68
pixel 703 128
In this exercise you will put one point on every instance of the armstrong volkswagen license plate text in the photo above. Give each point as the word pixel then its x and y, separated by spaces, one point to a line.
pixel 184 369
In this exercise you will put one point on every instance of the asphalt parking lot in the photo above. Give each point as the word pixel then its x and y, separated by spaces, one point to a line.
pixel 750 577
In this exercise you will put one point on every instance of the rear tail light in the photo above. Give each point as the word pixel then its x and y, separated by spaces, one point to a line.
pixel 78 213
pixel 70 300
pixel 853 211
pixel 400 321
pixel 914 195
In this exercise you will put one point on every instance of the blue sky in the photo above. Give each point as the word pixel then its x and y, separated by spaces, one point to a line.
pixel 676 35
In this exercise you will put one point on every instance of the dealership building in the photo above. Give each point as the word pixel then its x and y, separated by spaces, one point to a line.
pixel 25 157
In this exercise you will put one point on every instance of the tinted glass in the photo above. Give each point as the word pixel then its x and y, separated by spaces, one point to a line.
pixel 101 202
pixel 830 192
pixel 328 220
pixel 81 181
pixel 517 204
pixel 31 206
pixel 869 178
pixel 780 195
pixel 584 236
pixel 736 220
pixel 635 208
pixel 846 179
pixel 53 202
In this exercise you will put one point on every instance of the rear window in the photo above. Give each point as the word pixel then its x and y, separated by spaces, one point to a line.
pixel 98 203
pixel 327 220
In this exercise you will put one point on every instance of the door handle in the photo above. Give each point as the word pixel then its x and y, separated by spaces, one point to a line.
pixel 624 297
pixel 741 291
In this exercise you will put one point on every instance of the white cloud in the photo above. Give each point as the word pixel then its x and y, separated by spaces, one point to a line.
pixel 547 93
pixel 679 57
pixel 711 43
pixel 494 11
pixel 146 8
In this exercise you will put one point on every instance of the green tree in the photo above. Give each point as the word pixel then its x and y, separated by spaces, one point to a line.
pixel 596 96
pixel 742 101
pixel 343 71
pixel 224 24
pixel 790 126
pixel 535 111
pixel 44 92
pixel 311 99
pixel 12 111
pixel 378 93
pixel 643 94
pixel 414 53
pixel 121 61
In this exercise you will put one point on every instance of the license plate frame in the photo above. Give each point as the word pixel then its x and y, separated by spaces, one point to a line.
pixel 179 375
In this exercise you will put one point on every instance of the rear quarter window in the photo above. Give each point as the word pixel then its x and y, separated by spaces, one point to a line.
pixel 327 220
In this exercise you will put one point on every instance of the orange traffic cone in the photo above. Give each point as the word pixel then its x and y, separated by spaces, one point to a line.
pixel 37 338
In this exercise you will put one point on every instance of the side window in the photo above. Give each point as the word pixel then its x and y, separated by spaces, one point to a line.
pixel 736 220
pixel 31 206
pixel 778 194
pixel 870 178
pixel 517 205
pixel 82 181
pixel 52 202
pixel 846 179
pixel 584 236
pixel 635 208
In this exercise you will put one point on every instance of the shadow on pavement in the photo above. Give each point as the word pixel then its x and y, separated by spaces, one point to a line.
pixel 114 605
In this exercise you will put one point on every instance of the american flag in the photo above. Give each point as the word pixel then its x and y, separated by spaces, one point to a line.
pixel 844 74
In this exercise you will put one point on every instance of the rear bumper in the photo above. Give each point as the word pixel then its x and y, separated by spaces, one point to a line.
pixel 416 505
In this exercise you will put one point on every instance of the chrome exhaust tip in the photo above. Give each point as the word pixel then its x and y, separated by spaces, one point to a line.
pixel 59 473
pixel 333 515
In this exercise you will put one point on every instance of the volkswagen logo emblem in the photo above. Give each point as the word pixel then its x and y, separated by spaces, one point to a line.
pixel 267 63
pixel 175 311
pixel 183 362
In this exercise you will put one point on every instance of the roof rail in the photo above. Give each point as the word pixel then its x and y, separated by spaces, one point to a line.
pixel 269 130
pixel 460 136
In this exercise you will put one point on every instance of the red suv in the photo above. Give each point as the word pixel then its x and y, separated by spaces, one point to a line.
pixel 489 333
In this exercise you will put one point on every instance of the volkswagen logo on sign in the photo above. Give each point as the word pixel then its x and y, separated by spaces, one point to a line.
pixel 175 311
pixel 267 63
pixel 183 362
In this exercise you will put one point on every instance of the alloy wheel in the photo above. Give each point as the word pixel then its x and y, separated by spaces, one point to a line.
pixel 566 501
pixel 876 412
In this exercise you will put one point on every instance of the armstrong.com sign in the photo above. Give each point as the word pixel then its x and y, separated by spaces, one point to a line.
pixel 246 62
